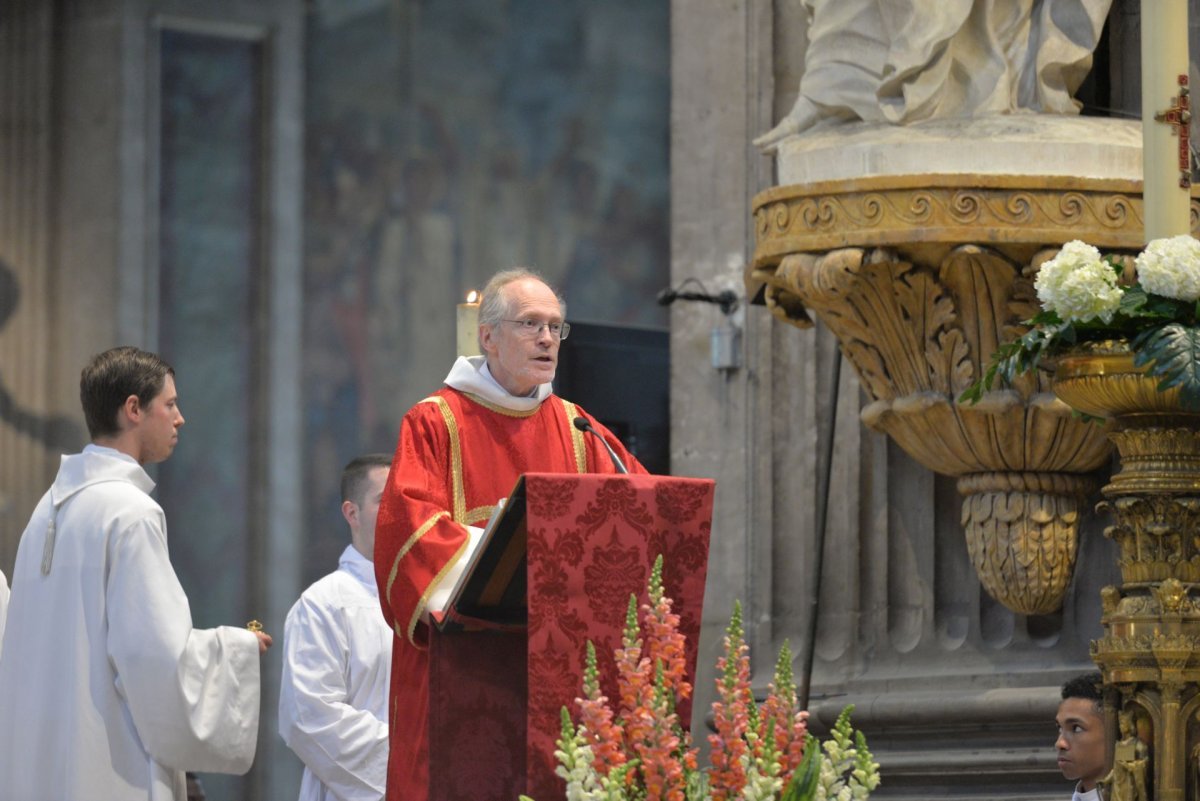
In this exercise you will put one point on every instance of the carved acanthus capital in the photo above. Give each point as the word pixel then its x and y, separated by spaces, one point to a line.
pixel 1157 537
pixel 918 335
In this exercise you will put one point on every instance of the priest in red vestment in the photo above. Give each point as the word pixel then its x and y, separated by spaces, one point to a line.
pixel 460 451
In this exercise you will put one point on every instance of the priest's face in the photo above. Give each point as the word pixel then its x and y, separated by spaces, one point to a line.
pixel 1081 744
pixel 521 360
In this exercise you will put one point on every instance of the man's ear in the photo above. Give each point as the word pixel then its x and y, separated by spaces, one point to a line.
pixel 350 512
pixel 131 412
pixel 487 338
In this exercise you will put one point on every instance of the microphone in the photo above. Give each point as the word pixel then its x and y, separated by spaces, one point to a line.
pixel 583 425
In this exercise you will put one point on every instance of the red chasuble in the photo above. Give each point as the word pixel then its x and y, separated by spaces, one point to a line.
pixel 457 456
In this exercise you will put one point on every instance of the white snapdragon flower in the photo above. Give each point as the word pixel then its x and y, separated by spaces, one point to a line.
pixel 575 767
pixel 760 786
pixel 1171 268
pixel 1079 285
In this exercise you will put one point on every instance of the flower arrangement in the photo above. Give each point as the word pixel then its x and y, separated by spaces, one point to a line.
pixel 1086 298
pixel 639 751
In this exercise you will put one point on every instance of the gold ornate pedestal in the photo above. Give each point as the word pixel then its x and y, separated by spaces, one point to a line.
pixel 922 277
pixel 1150 651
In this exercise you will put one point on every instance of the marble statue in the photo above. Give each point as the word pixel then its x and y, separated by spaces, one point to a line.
pixel 902 61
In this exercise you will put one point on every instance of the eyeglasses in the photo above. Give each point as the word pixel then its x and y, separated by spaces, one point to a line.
pixel 532 328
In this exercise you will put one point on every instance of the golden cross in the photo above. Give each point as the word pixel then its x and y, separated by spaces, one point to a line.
pixel 1179 117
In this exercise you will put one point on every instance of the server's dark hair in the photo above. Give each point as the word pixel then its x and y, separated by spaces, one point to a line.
pixel 111 377
pixel 1087 685
pixel 354 474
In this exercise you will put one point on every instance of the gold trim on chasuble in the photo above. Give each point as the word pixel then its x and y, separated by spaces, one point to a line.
pixel 572 412
pixel 491 407
pixel 404 549
pixel 458 501
pixel 423 603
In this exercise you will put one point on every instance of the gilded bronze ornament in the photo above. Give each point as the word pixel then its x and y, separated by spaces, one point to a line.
pixel 1150 651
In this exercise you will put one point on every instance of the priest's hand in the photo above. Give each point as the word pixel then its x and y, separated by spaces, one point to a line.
pixel 264 641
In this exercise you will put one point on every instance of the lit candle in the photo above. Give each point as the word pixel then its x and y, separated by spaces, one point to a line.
pixel 1166 204
pixel 467 317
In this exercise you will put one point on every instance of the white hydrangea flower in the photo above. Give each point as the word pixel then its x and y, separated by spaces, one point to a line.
pixel 1171 268
pixel 1079 285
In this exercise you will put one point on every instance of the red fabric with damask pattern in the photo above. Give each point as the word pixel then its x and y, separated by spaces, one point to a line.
pixel 592 541
pixel 456 457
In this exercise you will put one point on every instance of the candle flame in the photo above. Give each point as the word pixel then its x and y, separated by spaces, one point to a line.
pixel 472 296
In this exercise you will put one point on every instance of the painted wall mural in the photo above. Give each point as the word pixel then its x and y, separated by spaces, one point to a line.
pixel 448 140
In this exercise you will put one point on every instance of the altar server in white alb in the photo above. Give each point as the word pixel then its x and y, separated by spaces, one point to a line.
pixel 337 659
pixel 106 690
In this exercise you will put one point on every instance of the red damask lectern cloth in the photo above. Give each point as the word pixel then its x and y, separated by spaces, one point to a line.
pixel 591 543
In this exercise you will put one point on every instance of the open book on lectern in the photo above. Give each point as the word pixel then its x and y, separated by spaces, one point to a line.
pixel 486 588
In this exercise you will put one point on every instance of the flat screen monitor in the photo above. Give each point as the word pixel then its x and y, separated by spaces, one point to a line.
pixel 621 375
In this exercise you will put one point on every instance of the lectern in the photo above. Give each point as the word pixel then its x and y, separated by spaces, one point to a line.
pixel 568 552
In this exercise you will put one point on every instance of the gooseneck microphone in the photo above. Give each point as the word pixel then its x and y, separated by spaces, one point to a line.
pixel 583 425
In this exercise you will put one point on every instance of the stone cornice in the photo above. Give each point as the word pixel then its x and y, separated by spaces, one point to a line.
pixel 951 209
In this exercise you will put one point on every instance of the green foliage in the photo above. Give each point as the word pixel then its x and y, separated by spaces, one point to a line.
pixel 866 771
pixel 591 673
pixel 1021 355
pixel 734 632
pixel 1172 353
pixel 1163 333
pixel 655 587
pixel 785 682
pixel 803 786
pixel 697 786
pixel 841 767
pixel 632 630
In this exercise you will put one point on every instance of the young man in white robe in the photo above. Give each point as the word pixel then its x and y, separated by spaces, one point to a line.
pixel 106 689
pixel 337 659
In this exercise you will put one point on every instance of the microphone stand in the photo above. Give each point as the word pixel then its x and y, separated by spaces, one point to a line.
pixel 582 424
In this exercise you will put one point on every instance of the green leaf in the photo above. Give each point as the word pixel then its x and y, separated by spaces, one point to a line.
pixel 1133 300
pixel 1164 308
pixel 1044 317
pixel 803 786
pixel 1016 357
pixel 1172 353
pixel 1117 266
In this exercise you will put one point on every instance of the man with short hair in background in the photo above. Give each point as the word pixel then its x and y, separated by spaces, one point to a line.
pixel 106 690
pixel 337 659
pixel 1082 738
